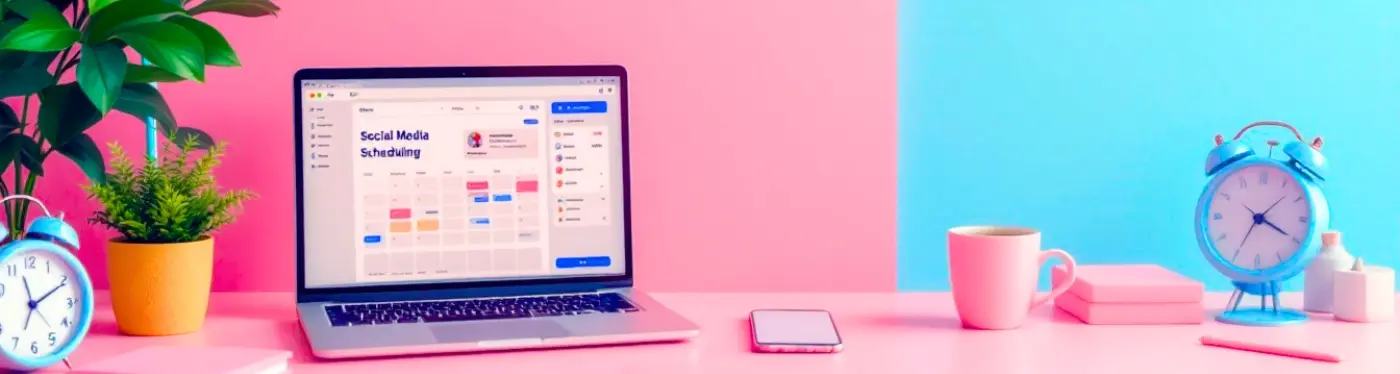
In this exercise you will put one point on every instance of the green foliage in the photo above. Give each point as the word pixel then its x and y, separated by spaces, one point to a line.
pixel 41 40
pixel 172 200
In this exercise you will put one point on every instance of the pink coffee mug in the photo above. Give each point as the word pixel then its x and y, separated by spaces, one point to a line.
pixel 994 272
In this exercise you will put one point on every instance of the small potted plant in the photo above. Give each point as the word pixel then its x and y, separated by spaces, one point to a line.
pixel 166 212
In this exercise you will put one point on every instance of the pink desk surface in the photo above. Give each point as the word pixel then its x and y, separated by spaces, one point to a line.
pixel 884 333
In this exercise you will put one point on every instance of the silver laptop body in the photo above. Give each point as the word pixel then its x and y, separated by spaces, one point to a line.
pixel 459 209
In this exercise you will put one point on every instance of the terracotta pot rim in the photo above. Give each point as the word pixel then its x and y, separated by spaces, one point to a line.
pixel 122 240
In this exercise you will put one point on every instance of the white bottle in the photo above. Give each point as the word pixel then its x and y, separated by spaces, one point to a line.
pixel 1319 275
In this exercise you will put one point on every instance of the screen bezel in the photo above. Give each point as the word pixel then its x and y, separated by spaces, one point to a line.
pixel 831 322
pixel 462 288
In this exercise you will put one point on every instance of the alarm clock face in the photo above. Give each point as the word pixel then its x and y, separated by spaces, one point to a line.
pixel 1259 217
pixel 38 303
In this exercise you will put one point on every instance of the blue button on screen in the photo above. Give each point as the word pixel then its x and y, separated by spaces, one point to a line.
pixel 371 239
pixel 532 121
pixel 582 262
pixel 574 107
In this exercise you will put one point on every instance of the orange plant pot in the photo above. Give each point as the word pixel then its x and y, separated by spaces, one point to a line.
pixel 160 289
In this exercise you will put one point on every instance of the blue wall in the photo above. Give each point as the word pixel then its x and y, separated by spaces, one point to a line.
pixel 1091 120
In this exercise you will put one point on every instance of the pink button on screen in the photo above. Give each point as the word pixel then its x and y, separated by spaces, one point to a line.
pixel 400 213
pixel 477 185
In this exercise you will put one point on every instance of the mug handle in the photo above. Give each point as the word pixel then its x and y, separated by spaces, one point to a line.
pixel 1059 288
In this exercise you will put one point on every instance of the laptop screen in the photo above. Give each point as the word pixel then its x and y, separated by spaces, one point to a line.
pixel 461 179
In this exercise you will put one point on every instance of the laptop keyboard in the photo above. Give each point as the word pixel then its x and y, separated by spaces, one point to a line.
pixel 477 309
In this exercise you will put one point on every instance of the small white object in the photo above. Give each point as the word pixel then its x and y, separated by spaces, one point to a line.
pixel 1364 293
pixel 1318 277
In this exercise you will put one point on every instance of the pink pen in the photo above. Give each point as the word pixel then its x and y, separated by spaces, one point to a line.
pixel 1269 349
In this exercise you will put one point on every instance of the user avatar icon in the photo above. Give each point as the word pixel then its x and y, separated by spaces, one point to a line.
pixel 558 134
pixel 559 170
pixel 558 146
pixel 559 184
pixel 474 140
pixel 558 158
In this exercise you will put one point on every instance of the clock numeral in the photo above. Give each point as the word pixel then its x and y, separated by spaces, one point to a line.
pixel 33 347
pixel 63 282
pixel 16 345
pixel 1235 256
pixel 1297 241
pixel 53 339
pixel 1217 217
pixel 1303 219
pixel 1220 237
pixel 1257 262
pixel 30 262
pixel 1225 195
pixel 1280 257
pixel 70 305
pixel 2 290
pixel 1300 198
pixel 1242 182
pixel 48 267
pixel 1264 178
pixel 12 269
pixel 64 323
pixel 1285 183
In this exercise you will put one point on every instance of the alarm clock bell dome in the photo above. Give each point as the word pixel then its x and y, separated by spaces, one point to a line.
pixel 52 228
pixel 1307 158
pixel 1226 153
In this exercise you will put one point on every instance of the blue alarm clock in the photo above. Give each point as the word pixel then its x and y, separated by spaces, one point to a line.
pixel 1260 220
pixel 45 294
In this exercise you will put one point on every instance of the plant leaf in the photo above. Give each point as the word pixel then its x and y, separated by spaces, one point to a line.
pixel 9 120
pixel 148 74
pixel 95 6
pixel 202 140
pixel 18 59
pixel 217 51
pixel 143 101
pixel 100 74
pixel 64 113
pixel 23 81
pixel 126 13
pixel 245 8
pixel 41 35
pixel 17 146
pixel 40 10
pixel 168 46
pixel 83 151
pixel 10 147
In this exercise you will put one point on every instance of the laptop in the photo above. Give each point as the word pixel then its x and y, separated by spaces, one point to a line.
pixel 457 209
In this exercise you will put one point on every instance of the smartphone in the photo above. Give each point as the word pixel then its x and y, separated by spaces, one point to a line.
pixel 794 331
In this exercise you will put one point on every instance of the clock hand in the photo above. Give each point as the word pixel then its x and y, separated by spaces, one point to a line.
pixel 1246 207
pixel 1246 235
pixel 1275 228
pixel 1271 207
pixel 41 298
pixel 30 304
pixel 27 293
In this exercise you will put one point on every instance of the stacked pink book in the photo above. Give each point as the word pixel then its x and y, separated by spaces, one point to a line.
pixel 1130 295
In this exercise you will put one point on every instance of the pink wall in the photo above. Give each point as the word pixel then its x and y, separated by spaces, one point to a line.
pixel 763 131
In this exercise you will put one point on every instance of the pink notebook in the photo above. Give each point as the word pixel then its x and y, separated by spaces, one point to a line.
pixel 1131 314
pixel 1130 284
pixel 184 360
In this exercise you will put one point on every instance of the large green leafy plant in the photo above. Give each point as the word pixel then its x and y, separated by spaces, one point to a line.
pixel 41 41
pixel 172 200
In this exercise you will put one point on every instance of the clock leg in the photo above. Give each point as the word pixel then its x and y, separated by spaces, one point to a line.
pixel 1235 298
pixel 68 364
pixel 1276 287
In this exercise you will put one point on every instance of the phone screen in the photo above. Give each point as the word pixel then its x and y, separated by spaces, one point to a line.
pixel 794 327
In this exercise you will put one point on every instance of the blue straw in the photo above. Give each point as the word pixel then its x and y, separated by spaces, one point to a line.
pixel 150 127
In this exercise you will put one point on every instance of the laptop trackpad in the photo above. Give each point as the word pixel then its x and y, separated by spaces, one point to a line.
pixel 498 330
